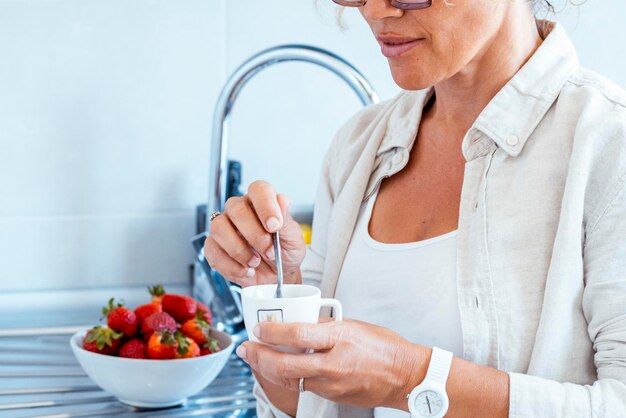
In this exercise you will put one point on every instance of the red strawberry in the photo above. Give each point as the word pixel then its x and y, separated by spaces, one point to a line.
pixel 162 346
pixel 157 292
pixel 211 346
pixel 144 311
pixel 187 347
pixel 206 311
pixel 121 319
pixel 134 348
pixel 182 308
pixel 102 340
pixel 197 329
pixel 159 321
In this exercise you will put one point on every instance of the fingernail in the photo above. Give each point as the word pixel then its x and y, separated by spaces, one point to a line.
pixel 241 352
pixel 271 254
pixel 272 224
pixel 254 262
pixel 250 273
pixel 257 331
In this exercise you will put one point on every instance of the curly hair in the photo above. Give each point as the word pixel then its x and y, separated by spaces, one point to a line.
pixel 546 4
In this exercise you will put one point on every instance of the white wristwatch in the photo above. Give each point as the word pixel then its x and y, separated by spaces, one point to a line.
pixel 429 398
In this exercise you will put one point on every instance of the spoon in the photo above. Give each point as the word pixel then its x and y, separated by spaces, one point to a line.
pixel 279 265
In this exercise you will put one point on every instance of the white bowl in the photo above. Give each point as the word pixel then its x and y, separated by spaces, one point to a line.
pixel 152 383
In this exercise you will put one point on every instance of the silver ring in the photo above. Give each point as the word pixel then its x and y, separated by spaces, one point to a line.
pixel 214 215
pixel 301 385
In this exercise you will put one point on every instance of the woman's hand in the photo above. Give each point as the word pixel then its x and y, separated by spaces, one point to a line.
pixel 240 245
pixel 355 362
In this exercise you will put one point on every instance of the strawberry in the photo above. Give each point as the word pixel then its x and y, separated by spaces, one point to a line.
pixel 145 310
pixel 182 308
pixel 162 346
pixel 157 292
pixel 197 329
pixel 159 321
pixel 187 347
pixel 209 347
pixel 120 318
pixel 102 340
pixel 134 348
pixel 206 311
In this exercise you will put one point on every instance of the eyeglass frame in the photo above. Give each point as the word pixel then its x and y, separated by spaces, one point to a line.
pixel 395 3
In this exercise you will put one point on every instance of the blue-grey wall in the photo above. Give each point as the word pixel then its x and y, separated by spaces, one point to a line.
pixel 105 114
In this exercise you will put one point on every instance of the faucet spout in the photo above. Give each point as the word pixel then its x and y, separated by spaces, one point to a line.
pixel 225 304
pixel 243 74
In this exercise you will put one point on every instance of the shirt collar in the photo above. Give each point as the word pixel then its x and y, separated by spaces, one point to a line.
pixel 404 120
pixel 516 110
pixel 512 115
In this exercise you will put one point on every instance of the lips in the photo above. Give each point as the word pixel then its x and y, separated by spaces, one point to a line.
pixel 393 47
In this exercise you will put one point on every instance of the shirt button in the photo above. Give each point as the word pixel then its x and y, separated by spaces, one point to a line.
pixel 512 140
pixel 397 159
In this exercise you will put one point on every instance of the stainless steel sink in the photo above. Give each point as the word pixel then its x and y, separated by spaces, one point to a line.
pixel 39 377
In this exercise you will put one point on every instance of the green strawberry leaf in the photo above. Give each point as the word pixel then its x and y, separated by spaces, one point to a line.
pixel 103 336
pixel 212 344
pixel 183 343
pixel 200 318
pixel 157 290
pixel 168 339
pixel 92 334
pixel 110 307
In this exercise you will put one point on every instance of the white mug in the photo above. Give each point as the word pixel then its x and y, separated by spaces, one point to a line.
pixel 300 303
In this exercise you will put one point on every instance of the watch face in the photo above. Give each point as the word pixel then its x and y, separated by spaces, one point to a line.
pixel 428 403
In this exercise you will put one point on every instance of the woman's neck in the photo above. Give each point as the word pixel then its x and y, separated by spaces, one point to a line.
pixel 460 99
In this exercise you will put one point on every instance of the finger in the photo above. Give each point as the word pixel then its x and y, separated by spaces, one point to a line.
pixel 224 264
pixel 290 233
pixel 227 237
pixel 278 366
pixel 283 203
pixel 300 335
pixel 265 203
pixel 247 223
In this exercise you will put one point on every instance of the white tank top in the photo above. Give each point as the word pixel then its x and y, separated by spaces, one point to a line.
pixel 409 288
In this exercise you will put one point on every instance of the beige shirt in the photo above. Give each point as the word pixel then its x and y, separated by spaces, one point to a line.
pixel 541 255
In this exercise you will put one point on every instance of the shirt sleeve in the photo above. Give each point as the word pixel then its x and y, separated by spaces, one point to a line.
pixel 604 306
pixel 265 408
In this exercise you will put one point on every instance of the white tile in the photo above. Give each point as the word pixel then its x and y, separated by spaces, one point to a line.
pixel 106 121
pixel 95 251
pixel 107 104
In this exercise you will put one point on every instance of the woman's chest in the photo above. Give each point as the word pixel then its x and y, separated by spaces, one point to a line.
pixel 408 288
pixel 419 202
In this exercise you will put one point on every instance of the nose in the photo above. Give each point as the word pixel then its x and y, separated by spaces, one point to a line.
pixel 375 10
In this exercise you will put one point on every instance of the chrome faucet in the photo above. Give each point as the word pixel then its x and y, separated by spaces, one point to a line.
pixel 208 285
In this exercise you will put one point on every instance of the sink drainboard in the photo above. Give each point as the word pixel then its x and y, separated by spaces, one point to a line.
pixel 39 377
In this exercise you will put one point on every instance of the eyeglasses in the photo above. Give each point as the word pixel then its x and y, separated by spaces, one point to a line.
pixel 399 4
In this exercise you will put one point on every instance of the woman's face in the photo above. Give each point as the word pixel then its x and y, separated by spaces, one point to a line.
pixel 426 46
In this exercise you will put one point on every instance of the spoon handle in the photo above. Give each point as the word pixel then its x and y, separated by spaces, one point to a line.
pixel 279 265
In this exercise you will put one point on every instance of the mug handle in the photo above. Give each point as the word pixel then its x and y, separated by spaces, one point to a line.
pixel 336 305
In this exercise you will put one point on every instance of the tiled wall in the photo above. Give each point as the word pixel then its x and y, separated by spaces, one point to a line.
pixel 105 118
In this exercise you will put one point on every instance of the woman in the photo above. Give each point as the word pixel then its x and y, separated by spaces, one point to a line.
pixel 481 211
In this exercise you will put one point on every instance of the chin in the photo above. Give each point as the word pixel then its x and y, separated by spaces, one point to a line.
pixel 412 78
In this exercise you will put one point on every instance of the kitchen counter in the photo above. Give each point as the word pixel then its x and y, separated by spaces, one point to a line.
pixel 39 377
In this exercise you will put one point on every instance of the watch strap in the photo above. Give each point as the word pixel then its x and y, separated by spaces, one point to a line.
pixel 439 366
